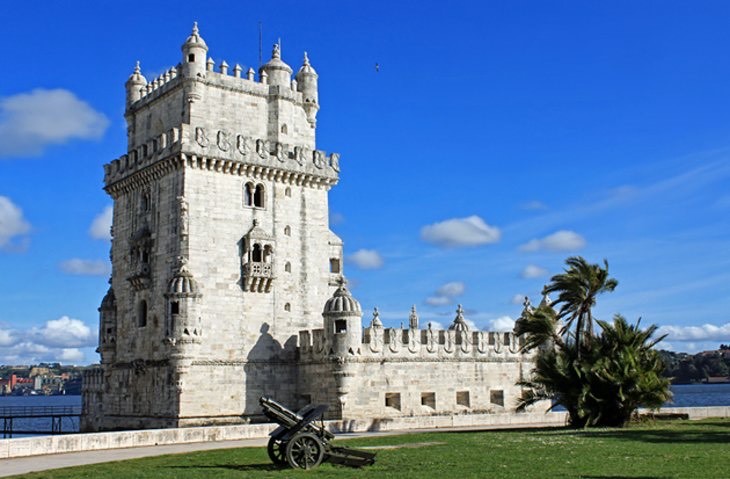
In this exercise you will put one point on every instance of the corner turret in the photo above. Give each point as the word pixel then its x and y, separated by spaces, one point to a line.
pixel 343 322
pixel 278 72
pixel 194 54
pixel 134 85
pixel 307 84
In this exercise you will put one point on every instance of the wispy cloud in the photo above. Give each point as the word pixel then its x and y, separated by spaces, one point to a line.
pixel 366 259
pixel 562 240
pixel 12 222
pixel 705 332
pixel 534 206
pixel 30 122
pixel 456 232
pixel 446 293
pixel 86 267
pixel 101 226
pixel 533 271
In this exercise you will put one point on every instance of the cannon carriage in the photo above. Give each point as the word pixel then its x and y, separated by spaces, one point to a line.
pixel 302 443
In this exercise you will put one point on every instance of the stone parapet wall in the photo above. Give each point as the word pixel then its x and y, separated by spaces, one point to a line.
pixel 34 446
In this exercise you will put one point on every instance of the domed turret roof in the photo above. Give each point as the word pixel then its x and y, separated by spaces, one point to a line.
pixel 459 323
pixel 276 62
pixel 306 68
pixel 136 77
pixel 342 302
pixel 195 38
pixel 182 283
pixel 109 302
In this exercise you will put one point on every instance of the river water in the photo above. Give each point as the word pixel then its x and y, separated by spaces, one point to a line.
pixel 685 395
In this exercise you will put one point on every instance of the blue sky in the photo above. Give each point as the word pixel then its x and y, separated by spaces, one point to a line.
pixel 496 139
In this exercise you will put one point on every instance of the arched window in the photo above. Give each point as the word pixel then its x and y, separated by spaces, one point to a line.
pixel 287 192
pixel 248 194
pixel 256 253
pixel 287 267
pixel 258 196
pixel 287 307
pixel 142 314
pixel 191 57
pixel 144 203
pixel 287 230
pixel 284 129
pixel 268 252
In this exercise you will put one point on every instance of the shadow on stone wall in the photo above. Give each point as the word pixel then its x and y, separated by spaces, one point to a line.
pixel 269 372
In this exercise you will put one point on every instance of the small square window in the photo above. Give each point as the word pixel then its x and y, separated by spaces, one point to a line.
pixel 497 397
pixel 428 400
pixel 462 398
pixel 340 326
pixel 392 400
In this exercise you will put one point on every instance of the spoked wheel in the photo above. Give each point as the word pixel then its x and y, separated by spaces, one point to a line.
pixel 304 451
pixel 277 450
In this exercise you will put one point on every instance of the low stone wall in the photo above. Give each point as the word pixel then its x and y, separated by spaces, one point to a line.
pixel 34 446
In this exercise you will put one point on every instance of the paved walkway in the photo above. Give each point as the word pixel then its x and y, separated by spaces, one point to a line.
pixel 24 465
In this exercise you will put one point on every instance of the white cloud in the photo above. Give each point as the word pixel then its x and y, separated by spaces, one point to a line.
pixel 102 224
pixel 86 267
pixel 366 259
pixel 563 240
pixel 336 218
pixel 63 332
pixel 435 325
pixel 705 332
pixel 471 231
pixel 533 271
pixel 502 324
pixel 71 355
pixel 446 293
pixel 454 288
pixel 518 299
pixel 438 300
pixel 7 338
pixel 12 223
pixel 29 122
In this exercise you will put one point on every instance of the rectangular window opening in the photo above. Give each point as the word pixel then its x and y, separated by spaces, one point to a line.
pixel 392 400
pixel 462 398
pixel 428 400
pixel 340 326
pixel 496 397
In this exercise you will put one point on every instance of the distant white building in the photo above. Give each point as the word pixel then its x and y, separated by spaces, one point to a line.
pixel 227 283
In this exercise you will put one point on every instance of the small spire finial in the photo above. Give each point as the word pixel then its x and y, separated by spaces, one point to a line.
pixel 276 52
pixel 195 28
pixel 137 69
pixel 376 319
pixel 306 59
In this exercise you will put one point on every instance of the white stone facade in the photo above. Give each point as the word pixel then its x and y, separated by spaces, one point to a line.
pixel 222 255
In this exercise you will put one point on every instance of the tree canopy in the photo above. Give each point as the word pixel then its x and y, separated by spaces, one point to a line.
pixel 599 378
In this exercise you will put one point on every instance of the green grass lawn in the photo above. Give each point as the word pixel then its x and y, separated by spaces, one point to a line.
pixel 672 449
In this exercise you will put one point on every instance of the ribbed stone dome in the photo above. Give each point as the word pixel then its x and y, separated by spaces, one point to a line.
pixel 182 284
pixel 459 323
pixel 306 68
pixel 195 38
pixel 276 63
pixel 342 302
pixel 109 302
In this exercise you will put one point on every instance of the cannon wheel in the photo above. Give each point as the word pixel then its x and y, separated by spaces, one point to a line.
pixel 277 451
pixel 304 451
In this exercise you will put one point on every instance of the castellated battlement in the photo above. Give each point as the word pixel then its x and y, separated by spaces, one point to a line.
pixel 393 344
pixel 227 153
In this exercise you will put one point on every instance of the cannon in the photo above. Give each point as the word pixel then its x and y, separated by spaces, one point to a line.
pixel 302 443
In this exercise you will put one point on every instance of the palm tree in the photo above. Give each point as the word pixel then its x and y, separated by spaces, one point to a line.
pixel 599 379
pixel 577 290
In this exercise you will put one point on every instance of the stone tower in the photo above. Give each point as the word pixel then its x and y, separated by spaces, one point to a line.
pixel 221 249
